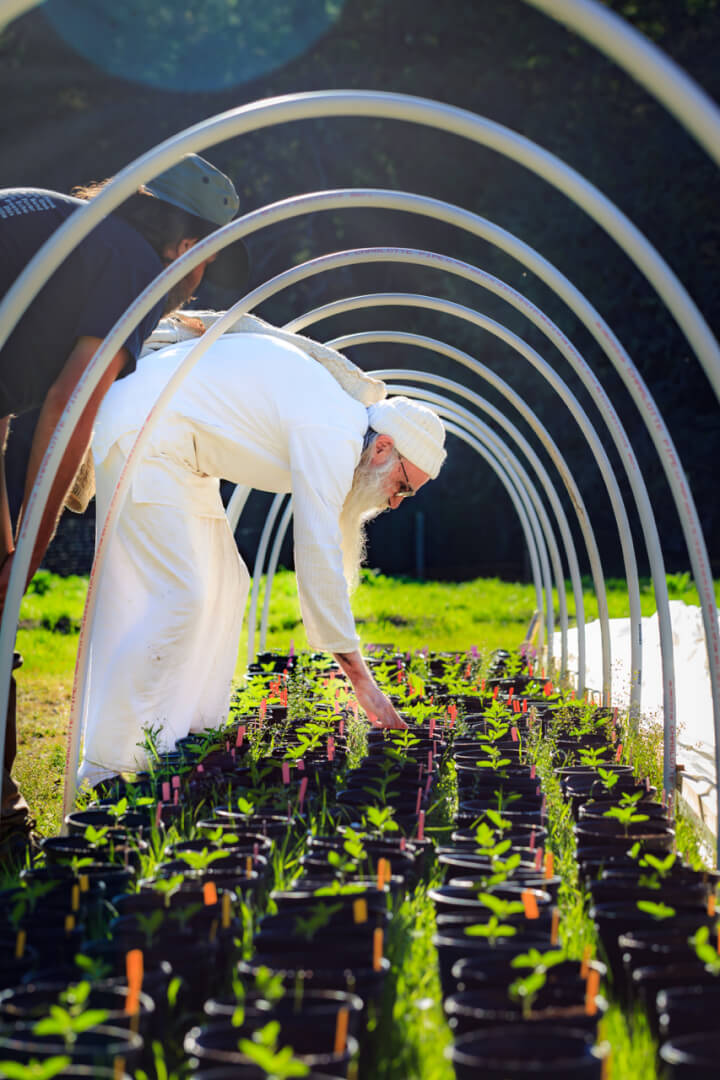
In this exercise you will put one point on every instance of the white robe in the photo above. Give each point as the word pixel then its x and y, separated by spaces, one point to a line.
pixel 173 588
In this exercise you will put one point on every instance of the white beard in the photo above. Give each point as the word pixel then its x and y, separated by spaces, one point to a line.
pixel 366 499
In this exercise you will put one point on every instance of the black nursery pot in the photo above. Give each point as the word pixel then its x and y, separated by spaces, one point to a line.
pixel 613 920
pixel 692 1057
pixel 99 1046
pixel 510 1053
pixel 26 1004
pixel 476 1011
pixel 687 1010
pixel 218 1043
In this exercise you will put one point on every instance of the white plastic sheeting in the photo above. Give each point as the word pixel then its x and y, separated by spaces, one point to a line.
pixel 695 735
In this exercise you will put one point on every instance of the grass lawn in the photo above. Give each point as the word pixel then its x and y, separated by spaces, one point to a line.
pixel 485 612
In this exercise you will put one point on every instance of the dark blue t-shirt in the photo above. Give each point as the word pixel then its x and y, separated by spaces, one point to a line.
pixel 85 295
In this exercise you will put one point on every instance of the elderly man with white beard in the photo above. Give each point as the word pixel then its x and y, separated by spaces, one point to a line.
pixel 255 410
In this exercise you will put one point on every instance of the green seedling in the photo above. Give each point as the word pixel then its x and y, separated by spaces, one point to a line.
pixel 34 1070
pixel 93 968
pixel 263 1050
pixel 609 778
pixel 660 869
pixel 71 1020
pixel 526 989
pixel 201 860
pixel 704 950
pixel 593 757
pixel 149 925
pixel 625 816
pixel 320 917
pixel 379 820
pixel 659 912
pixel 495 928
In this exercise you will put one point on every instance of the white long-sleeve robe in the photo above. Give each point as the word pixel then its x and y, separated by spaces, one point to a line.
pixel 253 410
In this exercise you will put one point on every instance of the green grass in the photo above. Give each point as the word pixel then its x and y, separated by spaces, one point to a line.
pixel 486 612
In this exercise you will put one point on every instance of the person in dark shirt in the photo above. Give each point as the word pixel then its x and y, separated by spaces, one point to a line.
pixel 57 337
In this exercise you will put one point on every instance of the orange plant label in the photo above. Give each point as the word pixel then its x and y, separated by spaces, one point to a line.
pixel 592 986
pixel 377 949
pixel 20 941
pixel 384 873
pixel 360 911
pixel 210 895
pixel 248 865
pixel 549 865
pixel 75 897
pixel 84 882
pixel 711 904
pixel 606 1067
pixel 69 923
pixel 134 970
pixel 554 926
pixel 226 910
pixel 530 904
pixel 341 1030
pixel 585 962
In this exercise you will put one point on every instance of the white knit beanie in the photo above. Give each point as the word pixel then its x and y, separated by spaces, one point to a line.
pixel 417 432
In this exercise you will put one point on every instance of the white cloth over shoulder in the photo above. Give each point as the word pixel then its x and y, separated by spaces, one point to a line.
pixel 253 410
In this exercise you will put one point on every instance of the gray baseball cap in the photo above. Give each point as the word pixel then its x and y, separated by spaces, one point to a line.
pixel 196 186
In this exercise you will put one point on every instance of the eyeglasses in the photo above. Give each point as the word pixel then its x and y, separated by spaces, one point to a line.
pixel 408 490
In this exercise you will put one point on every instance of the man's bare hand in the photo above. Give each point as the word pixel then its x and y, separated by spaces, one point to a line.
pixel 380 710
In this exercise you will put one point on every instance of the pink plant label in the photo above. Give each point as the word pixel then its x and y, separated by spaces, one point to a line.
pixel 166 791
pixel 292 648
pixel 303 789
pixel 263 709
pixel 430 761
pixel 618 752
pixel 514 733
pixel 532 772
pixel 403 842
pixel 176 781
pixel 285 772
pixel 421 826
pixel 301 765
pixel 418 801
pixel 428 782
pixel 158 813
pixel 530 670
pixel 496 690
pixel 176 797
pixel 330 748
pixel 647 783
pixel 538 859
pixel 431 726
pixel 482 685
pixel 524 706
pixel 201 768
pixel 256 850
pixel 341 728
pixel 532 839
pixel 240 736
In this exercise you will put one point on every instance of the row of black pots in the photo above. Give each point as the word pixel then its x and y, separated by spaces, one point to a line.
pixel 648 948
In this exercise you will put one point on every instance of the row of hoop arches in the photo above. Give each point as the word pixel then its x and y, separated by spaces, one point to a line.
pixel 502 450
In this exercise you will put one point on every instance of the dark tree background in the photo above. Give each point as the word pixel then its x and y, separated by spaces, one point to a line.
pixel 88 87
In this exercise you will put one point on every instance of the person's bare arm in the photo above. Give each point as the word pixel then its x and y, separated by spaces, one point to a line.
pixel 52 409
pixel 380 710
pixel 7 541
